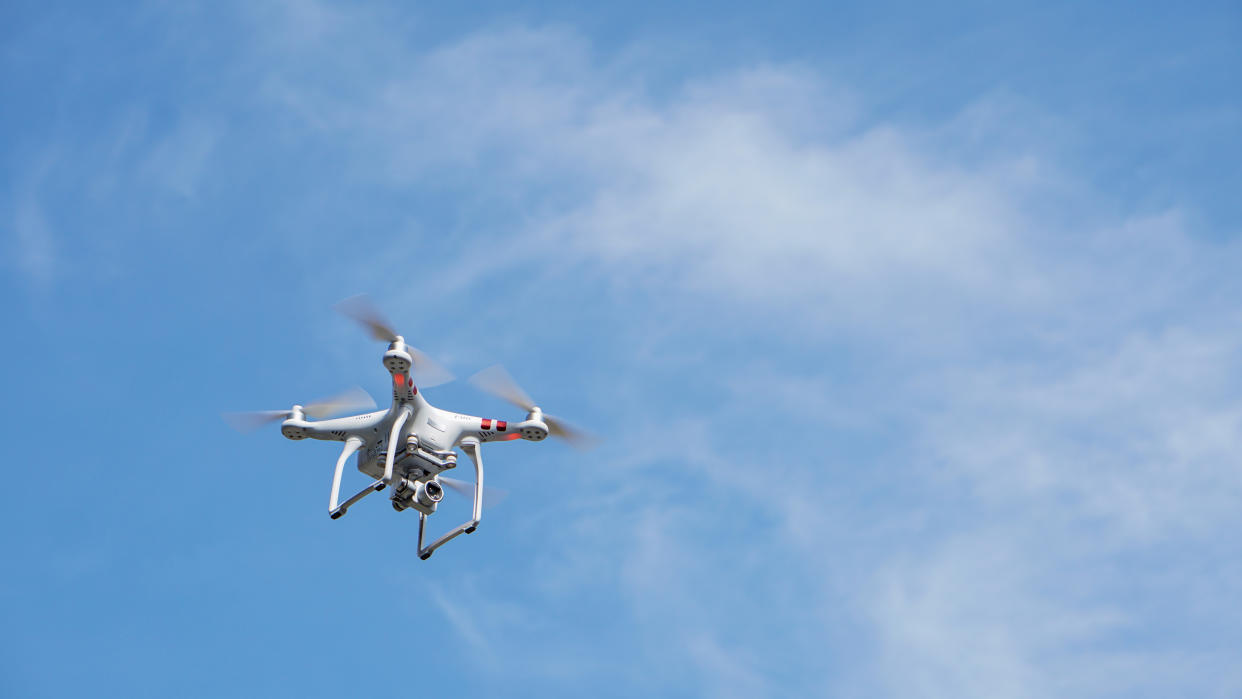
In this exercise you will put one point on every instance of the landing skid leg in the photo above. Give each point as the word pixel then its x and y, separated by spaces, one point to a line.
pixel 471 447
pixel 351 445
pixel 376 486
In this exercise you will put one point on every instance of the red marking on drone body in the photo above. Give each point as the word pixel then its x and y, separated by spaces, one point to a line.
pixel 486 423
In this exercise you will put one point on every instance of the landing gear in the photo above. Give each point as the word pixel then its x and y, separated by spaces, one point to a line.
pixel 471 447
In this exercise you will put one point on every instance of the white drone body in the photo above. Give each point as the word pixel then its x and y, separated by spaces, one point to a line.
pixel 407 447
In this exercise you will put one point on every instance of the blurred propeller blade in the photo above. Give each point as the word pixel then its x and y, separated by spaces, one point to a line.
pixel 496 381
pixel 253 420
pixel 353 400
pixel 427 371
pixel 491 496
pixel 363 311
pixel 576 437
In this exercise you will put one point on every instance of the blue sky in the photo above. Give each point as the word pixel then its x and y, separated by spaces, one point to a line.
pixel 913 333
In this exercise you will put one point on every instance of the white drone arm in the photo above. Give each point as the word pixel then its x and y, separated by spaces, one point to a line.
pixel 488 430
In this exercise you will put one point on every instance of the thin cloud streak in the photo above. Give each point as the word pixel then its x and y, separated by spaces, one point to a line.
pixel 34 239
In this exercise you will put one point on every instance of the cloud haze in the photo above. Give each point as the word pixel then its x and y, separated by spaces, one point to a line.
pixel 895 406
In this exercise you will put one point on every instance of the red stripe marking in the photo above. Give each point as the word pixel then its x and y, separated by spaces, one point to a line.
pixel 487 423
pixel 399 379
pixel 501 425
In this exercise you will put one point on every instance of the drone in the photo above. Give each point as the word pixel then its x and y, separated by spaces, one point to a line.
pixel 408 447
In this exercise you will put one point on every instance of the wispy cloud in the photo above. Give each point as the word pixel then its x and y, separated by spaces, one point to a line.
pixel 179 159
pixel 36 247
pixel 34 239
pixel 466 626
pixel 1027 407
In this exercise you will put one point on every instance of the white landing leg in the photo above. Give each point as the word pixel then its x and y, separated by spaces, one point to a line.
pixel 471 447
pixel 335 511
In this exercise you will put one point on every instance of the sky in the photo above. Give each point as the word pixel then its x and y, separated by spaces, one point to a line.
pixel 912 334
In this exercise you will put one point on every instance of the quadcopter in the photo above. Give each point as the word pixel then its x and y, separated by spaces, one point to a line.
pixel 408 447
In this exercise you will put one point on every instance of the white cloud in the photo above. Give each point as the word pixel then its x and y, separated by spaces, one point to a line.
pixel 1143 434
pixel 466 625
pixel 36 251
pixel 760 184
pixel 34 239
pixel 115 169
pixel 179 160
pixel 1038 391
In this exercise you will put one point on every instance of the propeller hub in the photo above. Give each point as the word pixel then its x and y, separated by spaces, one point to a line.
pixel 400 357
pixel 397 360
pixel 496 381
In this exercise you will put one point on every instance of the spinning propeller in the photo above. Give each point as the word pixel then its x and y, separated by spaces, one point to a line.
pixel 427 371
pixel 496 381
pixel 491 496
pixel 355 399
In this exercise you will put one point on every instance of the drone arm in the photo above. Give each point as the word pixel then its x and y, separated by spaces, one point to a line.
pixel 488 430
pixel 471 447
